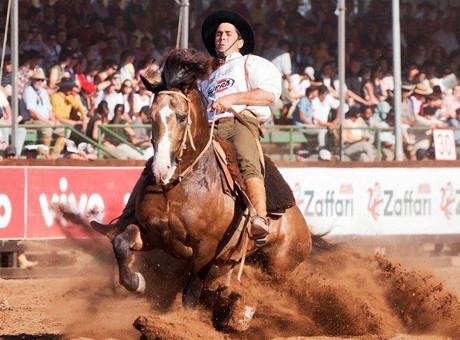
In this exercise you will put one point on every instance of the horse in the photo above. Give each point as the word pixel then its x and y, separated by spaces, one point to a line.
pixel 181 207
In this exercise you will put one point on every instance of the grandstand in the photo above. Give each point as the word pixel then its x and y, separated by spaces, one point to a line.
pixel 103 47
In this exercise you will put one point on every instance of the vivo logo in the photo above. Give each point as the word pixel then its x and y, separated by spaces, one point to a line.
pixel 83 205
pixel 6 211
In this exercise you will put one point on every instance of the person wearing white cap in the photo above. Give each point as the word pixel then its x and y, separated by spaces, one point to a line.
pixel 36 101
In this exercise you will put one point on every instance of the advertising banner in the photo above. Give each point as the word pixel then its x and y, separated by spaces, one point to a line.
pixel 341 201
pixel 101 192
pixel 12 203
pixel 378 201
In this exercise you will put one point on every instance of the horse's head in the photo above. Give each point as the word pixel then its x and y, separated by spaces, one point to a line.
pixel 179 122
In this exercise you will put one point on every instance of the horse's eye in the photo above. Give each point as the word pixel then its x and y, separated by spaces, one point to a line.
pixel 181 118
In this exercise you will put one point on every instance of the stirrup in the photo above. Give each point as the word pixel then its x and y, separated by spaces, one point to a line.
pixel 260 230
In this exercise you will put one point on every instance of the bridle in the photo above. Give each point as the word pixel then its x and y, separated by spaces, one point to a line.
pixel 188 136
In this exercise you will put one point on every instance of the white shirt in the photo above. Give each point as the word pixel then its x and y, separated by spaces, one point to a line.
pixel 334 83
pixel 241 74
pixel 321 109
pixel 3 100
pixel 140 101
pixel 283 63
pixel 299 86
pixel 112 100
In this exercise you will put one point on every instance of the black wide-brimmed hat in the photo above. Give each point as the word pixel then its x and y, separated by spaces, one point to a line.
pixel 209 28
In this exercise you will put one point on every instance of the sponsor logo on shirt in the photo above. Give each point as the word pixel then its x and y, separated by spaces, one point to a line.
pixel 221 85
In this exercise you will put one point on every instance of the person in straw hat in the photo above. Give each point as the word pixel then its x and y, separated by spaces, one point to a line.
pixel 239 93
pixel 37 103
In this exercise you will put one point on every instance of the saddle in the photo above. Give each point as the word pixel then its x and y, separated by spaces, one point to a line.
pixel 279 195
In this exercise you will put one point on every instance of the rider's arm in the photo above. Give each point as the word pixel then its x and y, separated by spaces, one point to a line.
pixel 264 81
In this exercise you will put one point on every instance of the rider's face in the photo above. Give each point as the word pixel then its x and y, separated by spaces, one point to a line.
pixel 227 39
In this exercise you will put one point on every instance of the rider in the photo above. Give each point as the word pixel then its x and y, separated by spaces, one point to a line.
pixel 239 93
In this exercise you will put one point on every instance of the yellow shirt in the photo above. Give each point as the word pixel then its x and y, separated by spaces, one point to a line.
pixel 63 105
pixel 354 135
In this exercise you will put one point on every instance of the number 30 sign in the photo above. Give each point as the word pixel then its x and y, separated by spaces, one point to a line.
pixel 444 144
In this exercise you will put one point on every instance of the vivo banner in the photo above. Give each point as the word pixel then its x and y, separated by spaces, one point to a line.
pixel 364 201
pixel 378 201
pixel 28 194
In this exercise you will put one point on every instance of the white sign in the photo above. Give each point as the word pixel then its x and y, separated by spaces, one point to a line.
pixel 378 201
pixel 444 144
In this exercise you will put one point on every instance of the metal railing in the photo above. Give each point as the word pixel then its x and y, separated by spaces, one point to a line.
pixel 286 138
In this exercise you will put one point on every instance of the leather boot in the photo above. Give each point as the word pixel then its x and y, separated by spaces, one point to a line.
pixel 24 263
pixel 58 145
pixel 255 188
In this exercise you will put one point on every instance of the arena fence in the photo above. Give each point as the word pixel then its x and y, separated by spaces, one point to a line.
pixel 282 142
pixel 382 198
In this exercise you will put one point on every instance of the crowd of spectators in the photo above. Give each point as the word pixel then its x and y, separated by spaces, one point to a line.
pixel 81 61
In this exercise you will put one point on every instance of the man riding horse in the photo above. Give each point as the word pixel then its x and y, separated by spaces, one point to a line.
pixel 238 92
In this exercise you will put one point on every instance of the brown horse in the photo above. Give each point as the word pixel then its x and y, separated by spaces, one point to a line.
pixel 182 208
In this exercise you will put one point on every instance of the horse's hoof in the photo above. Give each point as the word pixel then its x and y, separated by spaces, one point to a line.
pixel 241 317
pixel 141 286
pixel 232 313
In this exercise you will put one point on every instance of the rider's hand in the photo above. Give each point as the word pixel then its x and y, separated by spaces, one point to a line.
pixel 223 104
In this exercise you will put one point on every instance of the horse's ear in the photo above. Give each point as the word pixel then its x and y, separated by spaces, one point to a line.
pixel 151 87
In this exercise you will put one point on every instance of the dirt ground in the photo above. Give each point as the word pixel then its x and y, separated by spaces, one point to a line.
pixel 342 294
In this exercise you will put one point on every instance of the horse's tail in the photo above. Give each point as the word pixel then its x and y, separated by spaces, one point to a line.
pixel 320 245
pixel 71 216
pixel 89 227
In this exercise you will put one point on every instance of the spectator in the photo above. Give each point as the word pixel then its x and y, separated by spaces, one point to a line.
pixel 322 109
pixel 127 92
pixel 5 132
pixel 378 118
pixel 451 103
pixel 34 41
pixel 109 68
pixel 418 98
pixel 115 145
pixel 52 51
pixel 141 99
pixel 6 75
pixel 58 71
pixel 113 96
pixel 356 141
pixel 303 113
pixel 373 88
pixel 68 108
pixel 37 103
pixel 329 78
pixel 27 63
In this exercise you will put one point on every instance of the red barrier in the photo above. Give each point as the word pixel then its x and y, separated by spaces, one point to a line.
pixel 26 194
pixel 12 203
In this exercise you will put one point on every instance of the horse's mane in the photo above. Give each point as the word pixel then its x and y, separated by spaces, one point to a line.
pixel 180 70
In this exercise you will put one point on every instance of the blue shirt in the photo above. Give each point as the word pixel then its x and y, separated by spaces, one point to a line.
pixel 303 109
pixel 37 100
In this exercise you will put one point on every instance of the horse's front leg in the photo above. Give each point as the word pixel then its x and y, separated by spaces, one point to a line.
pixel 232 310
pixel 123 243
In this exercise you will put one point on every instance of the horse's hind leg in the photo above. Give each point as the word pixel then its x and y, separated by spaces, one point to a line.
pixel 123 243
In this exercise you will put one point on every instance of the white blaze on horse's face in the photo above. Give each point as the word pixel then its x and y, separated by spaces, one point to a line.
pixel 168 130
pixel 163 165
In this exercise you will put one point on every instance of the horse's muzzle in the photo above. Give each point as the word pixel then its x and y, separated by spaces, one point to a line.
pixel 163 171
